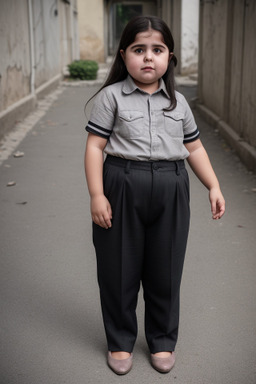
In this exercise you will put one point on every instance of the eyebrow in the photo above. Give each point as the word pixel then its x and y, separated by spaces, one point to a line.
pixel 145 45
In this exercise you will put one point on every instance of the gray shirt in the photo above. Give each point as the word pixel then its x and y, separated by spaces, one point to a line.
pixel 137 127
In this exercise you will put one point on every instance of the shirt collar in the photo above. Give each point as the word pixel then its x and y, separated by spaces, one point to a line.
pixel 130 87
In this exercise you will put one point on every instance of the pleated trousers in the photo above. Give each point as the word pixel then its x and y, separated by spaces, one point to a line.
pixel 146 244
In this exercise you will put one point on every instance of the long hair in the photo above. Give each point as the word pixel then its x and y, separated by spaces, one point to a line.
pixel 118 71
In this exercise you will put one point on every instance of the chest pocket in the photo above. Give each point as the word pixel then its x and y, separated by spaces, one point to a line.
pixel 131 124
pixel 173 123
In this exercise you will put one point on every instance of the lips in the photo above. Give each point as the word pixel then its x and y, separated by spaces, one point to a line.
pixel 147 68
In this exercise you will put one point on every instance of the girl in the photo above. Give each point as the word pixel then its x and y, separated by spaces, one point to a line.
pixel 140 196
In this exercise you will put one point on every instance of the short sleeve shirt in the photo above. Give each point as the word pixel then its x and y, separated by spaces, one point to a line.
pixel 136 125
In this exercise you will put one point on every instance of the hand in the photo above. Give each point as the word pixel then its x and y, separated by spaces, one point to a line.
pixel 101 211
pixel 217 203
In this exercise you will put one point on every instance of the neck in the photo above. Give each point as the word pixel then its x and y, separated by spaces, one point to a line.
pixel 149 88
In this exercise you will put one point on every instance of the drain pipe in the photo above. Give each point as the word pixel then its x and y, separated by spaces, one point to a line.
pixel 32 53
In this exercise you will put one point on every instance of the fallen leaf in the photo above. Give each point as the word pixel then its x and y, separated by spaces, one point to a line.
pixel 11 184
pixel 18 154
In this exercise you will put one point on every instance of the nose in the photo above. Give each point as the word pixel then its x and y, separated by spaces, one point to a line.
pixel 148 55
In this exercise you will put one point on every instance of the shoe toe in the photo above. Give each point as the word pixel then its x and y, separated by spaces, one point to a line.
pixel 163 364
pixel 120 367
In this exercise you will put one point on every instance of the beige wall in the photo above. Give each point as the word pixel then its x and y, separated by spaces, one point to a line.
pixel 91 29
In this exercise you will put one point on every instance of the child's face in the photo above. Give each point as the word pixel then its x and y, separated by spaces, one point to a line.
pixel 147 59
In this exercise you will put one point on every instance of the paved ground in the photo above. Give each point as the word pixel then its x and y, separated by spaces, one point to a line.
pixel 50 325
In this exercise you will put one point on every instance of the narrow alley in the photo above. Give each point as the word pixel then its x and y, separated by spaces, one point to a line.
pixel 51 326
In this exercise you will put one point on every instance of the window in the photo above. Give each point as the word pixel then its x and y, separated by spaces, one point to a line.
pixel 119 17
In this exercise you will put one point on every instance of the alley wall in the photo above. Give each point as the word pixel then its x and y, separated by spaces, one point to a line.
pixel 37 40
pixel 227 77
pixel 189 36
pixel 15 52
pixel 91 30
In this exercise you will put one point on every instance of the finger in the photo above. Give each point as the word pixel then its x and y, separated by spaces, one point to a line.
pixel 99 220
pixel 216 215
pixel 108 223
pixel 213 209
pixel 222 210
pixel 109 209
pixel 103 222
pixel 107 219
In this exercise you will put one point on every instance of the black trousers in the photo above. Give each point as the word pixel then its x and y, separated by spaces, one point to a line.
pixel 147 243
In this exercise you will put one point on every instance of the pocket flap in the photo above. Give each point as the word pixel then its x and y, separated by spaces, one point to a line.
pixel 130 115
pixel 175 115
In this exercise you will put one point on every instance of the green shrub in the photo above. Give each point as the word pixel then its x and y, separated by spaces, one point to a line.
pixel 83 69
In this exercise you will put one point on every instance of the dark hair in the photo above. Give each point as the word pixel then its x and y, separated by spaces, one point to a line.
pixel 136 25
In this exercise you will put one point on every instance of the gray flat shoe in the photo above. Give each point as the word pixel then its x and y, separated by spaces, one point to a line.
pixel 120 367
pixel 163 364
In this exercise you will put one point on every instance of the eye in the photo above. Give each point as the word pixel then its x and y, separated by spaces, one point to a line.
pixel 138 50
pixel 157 50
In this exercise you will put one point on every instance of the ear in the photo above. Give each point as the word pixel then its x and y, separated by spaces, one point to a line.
pixel 171 55
pixel 122 53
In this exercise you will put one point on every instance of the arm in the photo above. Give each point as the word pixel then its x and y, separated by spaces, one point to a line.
pixel 93 163
pixel 201 166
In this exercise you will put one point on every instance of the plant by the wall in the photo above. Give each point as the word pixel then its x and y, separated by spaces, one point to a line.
pixel 83 69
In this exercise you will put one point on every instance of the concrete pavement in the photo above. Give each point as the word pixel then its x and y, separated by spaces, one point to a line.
pixel 50 324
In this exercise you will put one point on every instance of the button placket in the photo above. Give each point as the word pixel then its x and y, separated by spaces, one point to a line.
pixel 154 143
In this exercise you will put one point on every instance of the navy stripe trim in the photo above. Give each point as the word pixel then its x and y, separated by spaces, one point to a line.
pixel 190 140
pixel 91 130
pixel 191 134
pixel 99 127
pixel 191 137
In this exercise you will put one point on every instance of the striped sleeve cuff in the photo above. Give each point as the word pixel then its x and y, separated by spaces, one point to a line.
pixel 191 136
pixel 98 130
